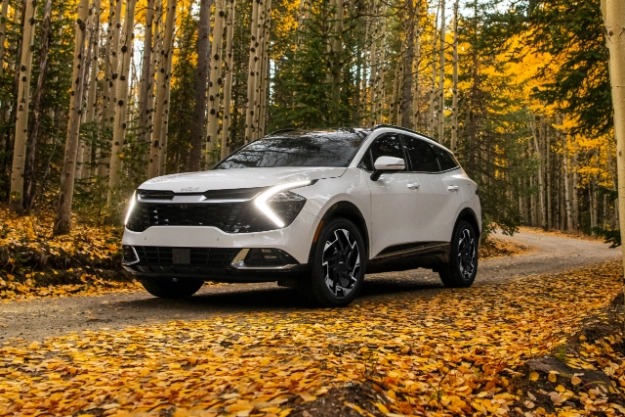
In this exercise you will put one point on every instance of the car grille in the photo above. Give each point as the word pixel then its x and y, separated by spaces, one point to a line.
pixel 199 257
pixel 229 217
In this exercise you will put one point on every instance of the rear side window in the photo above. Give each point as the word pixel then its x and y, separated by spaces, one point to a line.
pixel 422 156
pixel 445 159
pixel 388 145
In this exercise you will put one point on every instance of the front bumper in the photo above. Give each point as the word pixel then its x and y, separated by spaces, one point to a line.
pixel 294 240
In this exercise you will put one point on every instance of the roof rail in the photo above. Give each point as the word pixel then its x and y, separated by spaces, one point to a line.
pixel 288 129
pixel 405 129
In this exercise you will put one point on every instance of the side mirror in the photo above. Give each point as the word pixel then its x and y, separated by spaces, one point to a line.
pixel 387 164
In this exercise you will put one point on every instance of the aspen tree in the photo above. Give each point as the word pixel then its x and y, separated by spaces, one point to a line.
pixel 121 95
pixel 251 73
pixel 614 19
pixel 408 58
pixel 201 85
pixel 147 79
pixel 111 68
pixel 163 79
pixel 80 71
pixel 225 134
pixel 30 177
pixel 415 65
pixel 83 163
pixel 433 92
pixel 162 156
pixel 441 79
pixel 264 74
pixel 23 73
pixel 214 85
pixel 373 56
pixel 337 54
pixel 454 117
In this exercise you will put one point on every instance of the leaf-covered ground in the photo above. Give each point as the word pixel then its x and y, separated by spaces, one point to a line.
pixel 455 354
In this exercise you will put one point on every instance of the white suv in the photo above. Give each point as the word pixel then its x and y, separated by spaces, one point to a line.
pixel 313 210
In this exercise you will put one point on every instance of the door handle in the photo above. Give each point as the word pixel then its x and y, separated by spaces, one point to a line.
pixel 413 186
pixel 453 188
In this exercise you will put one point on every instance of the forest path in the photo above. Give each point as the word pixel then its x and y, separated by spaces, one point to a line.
pixel 40 318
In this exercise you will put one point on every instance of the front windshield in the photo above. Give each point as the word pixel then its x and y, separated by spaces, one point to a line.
pixel 310 149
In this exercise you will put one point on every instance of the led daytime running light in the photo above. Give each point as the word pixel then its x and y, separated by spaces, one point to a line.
pixel 261 201
pixel 131 207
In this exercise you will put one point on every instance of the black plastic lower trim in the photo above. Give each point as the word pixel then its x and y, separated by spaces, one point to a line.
pixel 228 274
pixel 410 256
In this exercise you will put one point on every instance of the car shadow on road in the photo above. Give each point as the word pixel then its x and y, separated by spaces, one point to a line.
pixel 275 298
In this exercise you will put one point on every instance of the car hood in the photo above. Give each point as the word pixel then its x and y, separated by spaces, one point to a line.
pixel 230 179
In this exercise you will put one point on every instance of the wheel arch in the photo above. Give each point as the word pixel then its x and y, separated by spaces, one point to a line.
pixel 346 210
pixel 468 215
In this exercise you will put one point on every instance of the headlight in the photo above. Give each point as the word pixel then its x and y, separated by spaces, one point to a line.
pixel 131 207
pixel 279 204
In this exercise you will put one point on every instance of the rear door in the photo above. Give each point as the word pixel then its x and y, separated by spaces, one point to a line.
pixel 392 197
pixel 439 191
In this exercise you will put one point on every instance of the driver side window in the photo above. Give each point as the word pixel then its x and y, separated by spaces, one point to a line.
pixel 388 145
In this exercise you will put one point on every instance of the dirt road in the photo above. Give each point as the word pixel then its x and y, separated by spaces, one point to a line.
pixel 38 319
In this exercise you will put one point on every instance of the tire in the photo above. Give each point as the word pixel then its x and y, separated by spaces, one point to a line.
pixel 461 269
pixel 338 265
pixel 172 288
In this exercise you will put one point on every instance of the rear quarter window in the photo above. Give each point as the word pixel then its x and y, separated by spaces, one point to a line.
pixel 445 159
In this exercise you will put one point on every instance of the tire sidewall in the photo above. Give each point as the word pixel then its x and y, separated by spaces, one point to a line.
pixel 455 264
pixel 318 286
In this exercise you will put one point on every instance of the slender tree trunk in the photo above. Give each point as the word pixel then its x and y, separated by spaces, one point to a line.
pixel 614 18
pixel 147 80
pixel 214 85
pixel 441 79
pixel 337 56
pixel 415 65
pixel 201 85
pixel 83 159
pixel 264 74
pixel 251 74
pixel 30 175
pixel 16 198
pixel 407 76
pixel 62 222
pixel 454 118
pixel 575 194
pixel 164 132
pixel 111 75
pixel 121 106
pixel 434 92
pixel 549 202
pixel 225 134
pixel 567 183
pixel 92 98
pixel 162 83
pixel 537 133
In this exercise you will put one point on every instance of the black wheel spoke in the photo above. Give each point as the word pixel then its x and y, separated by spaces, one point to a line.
pixel 467 254
pixel 341 263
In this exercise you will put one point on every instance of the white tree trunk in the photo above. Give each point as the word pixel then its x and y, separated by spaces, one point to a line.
pixel 163 79
pixel 441 79
pixel 225 134
pixel 16 197
pixel 147 79
pixel 214 84
pixel 110 69
pixel 121 96
pixel 614 17
pixel 454 118
pixel 252 74
pixel 80 71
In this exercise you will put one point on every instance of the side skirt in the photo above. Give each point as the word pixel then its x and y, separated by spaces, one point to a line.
pixel 410 256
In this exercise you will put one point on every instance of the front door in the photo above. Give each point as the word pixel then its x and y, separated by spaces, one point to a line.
pixel 393 197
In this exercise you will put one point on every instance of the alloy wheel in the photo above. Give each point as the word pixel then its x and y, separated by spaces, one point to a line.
pixel 467 254
pixel 341 263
